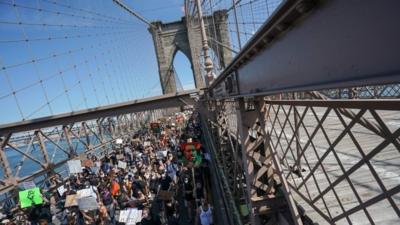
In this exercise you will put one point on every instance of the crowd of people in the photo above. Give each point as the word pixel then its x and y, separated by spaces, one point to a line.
pixel 159 174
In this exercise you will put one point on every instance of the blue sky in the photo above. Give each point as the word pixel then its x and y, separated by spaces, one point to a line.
pixel 59 56
pixel 71 55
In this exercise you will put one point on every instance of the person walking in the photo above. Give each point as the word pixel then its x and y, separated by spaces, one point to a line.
pixel 204 214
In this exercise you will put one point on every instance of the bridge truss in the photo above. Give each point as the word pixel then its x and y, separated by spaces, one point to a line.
pixel 303 124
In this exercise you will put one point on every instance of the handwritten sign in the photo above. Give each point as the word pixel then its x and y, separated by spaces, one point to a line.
pixel 120 156
pixel 146 143
pixel 30 197
pixel 161 154
pixel 119 141
pixel 74 166
pixel 87 199
pixel 87 203
pixel 71 201
pixel 88 192
pixel 61 190
pixel 130 216
pixel 121 164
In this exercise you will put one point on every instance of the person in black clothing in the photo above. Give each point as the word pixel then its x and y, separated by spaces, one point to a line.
pixel 199 192
pixel 165 182
pixel 40 212
pixel 114 159
pixel 170 210
pixel 148 219
pixel 188 188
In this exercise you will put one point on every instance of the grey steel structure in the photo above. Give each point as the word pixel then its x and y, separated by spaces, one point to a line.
pixel 293 109
pixel 302 125
pixel 92 131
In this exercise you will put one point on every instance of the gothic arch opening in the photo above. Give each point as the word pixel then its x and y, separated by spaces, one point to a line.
pixel 183 71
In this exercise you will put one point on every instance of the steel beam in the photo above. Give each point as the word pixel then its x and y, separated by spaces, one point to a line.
pixel 43 148
pixel 158 102
pixel 3 158
pixel 245 121
pixel 260 109
pixel 67 135
pixel 339 43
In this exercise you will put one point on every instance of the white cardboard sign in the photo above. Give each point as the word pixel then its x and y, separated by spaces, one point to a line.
pixel 74 166
pixel 87 199
pixel 87 203
pixel 130 216
pixel 88 192
pixel 61 190
pixel 121 164
pixel 161 154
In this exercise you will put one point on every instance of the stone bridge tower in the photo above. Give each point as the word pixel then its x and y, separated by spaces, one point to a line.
pixel 184 35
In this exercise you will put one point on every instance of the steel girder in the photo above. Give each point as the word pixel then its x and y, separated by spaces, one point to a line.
pixel 316 44
pixel 41 153
pixel 317 150
pixel 152 103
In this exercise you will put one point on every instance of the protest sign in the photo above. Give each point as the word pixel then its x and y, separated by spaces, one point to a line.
pixel 30 197
pixel 88 192
pixel 146 143
pixel 61 190
pixel 70 201
pixel 87 199
pixel 134 217
pixel 119 141
pixel 28 185
pixel 121 164
pixel 87 203
pixel 123 216
pixel 130 216
pixel 161 154
pixel 120 156
pixel 74 166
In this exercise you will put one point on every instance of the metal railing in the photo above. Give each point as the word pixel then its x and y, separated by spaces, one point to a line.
pixel 36 155
pixel 336 160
